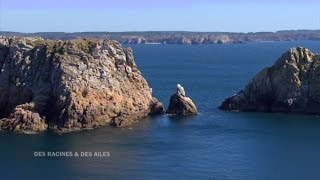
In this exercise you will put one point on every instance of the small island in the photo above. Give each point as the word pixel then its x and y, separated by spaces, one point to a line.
pixel 292 84
pixel 180 104
pixel 70 85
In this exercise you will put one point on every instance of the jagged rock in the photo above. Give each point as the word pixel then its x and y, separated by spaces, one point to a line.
pixel 23 121
pixel 180 104
pixel 70 85
pixel 292 84
pixel 157 108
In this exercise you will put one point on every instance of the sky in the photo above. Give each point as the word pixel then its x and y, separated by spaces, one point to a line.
pixel 158 15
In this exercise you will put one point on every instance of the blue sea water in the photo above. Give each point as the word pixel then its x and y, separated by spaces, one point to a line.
pixel 213 145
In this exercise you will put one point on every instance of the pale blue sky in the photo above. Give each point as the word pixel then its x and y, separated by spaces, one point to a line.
pixel 147 15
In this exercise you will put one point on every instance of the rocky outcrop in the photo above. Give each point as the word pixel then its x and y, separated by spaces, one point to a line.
pixel 24 121
pixel 70 85
pixel 292 84
pixel 180 104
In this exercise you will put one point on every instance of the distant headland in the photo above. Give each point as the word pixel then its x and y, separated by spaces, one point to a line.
pixel 179 37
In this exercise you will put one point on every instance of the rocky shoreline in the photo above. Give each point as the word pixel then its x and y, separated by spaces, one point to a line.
pixel 81 84
pixel 179 37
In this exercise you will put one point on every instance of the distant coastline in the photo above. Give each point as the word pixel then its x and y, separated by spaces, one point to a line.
pixel 179 37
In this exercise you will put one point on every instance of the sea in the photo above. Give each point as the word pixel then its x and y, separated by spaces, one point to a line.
pixel 212 145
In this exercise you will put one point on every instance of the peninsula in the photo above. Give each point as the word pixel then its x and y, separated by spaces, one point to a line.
pixel 179 37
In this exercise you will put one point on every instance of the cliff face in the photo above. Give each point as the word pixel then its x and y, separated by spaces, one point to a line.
pixel 70 85
pixel 292 84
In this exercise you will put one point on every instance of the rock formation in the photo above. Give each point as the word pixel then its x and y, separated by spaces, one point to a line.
pixel 180 104
pixel 292 84
pixel 70 85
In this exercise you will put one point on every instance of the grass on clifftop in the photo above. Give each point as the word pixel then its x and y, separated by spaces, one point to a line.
pixel 84 45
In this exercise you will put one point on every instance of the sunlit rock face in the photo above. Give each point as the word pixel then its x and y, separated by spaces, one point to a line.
pixel 70 85
pixel 292 84
pixel 180 104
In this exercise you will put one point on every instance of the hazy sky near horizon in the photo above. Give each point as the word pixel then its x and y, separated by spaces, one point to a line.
pixel 161 15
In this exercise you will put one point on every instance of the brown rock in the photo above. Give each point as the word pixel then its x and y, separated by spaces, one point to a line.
pixel 73 85
pixel 180 104
pixel 290 85
pixel 24 121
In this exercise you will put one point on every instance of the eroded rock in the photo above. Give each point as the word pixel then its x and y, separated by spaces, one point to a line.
pixel 70 85
pixel 180 104
pixel 292 84
pixel 24 121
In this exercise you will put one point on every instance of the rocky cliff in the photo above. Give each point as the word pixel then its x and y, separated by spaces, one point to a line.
pixel 292 84
pixel 70 85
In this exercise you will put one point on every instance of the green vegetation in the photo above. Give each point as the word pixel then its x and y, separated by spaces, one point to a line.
pixel 51 44
pixel 85 45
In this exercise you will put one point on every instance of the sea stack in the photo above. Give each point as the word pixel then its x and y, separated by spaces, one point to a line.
pixel 180 104
pixel 292 84
pixel 70 85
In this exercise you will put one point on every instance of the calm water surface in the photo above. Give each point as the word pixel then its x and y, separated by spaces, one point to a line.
pixel 213 145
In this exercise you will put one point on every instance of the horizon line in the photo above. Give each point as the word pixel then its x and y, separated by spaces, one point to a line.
pixel 144 31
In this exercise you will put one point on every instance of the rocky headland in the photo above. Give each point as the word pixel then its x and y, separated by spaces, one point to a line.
pixel 70 85
pixel 180 104
pixel 180 37
pixel 292 84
